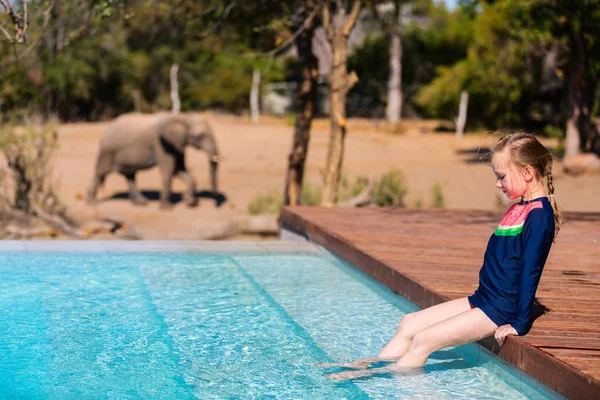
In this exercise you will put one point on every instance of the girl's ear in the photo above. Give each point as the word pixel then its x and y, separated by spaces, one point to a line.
pixel 529 173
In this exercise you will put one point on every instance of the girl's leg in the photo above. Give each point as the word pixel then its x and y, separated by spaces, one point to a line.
pixel 417 321
pixel 467 327
pixel 409 326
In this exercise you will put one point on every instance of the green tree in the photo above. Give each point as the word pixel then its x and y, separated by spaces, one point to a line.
pixel 431 37
pixel 533 65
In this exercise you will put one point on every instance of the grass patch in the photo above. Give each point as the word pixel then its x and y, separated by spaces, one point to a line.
pixel 437 196
pixel 311 194
pixel 265 204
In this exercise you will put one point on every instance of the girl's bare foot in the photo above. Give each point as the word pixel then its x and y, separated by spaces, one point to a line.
pixel 358 364
pixel 393 369
pixel 343 376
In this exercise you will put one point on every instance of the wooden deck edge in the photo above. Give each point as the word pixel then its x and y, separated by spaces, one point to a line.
pixel 535 362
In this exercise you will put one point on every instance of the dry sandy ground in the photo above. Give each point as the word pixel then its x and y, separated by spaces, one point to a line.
pixel 255 159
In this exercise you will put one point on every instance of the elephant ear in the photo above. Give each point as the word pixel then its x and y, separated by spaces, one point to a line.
pixel 173 132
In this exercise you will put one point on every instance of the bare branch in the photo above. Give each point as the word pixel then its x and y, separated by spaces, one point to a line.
pixel 10 38
pixel 356 6
pixel 307 23
pixel 6 6
pixel 21 21
pixel 363 198
pixel 57 222
pixel 25 23
pixel 340 13
pixel 16 20
pixel 326 20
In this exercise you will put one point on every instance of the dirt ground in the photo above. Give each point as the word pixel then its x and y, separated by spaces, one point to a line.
pixel 254 163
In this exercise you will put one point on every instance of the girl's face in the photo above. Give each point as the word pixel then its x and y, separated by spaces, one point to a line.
pixel 510 179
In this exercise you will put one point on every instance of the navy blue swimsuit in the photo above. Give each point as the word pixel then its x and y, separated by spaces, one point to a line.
pixel 513 263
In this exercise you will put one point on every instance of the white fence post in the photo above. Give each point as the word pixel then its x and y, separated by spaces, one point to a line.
pixel 462 114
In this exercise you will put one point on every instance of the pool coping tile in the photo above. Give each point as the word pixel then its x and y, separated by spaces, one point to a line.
pixel 64 246
pixel 12 245
pixel 292 247
pixel 153 246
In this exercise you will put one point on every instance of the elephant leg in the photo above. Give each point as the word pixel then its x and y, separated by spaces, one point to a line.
pixel 104 165
pixel 98 181
pixel 165 193
pixel 190 195
pixel 134 194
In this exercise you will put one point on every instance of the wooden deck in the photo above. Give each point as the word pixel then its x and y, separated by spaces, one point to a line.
pixel 432 256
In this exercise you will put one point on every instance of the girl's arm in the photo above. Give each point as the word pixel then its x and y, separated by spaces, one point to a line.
pixel 537 239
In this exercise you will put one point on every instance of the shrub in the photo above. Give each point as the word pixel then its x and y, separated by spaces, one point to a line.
pixel 311 195
pixel 437 197
pixel 28 153
pixel 265 204
pixel 390 190
pixel 348 191
pixel 360 184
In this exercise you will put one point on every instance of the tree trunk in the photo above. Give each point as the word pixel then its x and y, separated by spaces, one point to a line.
pixel 576 134
pixel 394 98
pixel 254 108
pixel 461 121
pixel 340 82
pixel 306 97
pixel 23 184
pixel 176 102
pixel 573 137
pixel 580 127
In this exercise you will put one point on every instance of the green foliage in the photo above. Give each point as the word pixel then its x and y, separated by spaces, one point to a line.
pixel 494 83
pixel 271 203
pixel 517 67
pixel 559 134
pixel 291 119
pixel 437 196
pixel 360 184
pixel 441 41
pixel 390 190
pixel 224 80
pixel 349 190
pixel 311 194
pixel 265 204
pixel 98 59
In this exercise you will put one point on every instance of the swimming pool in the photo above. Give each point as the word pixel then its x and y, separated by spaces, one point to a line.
pixel 203 320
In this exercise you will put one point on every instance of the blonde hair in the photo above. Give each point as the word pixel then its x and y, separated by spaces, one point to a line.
pixel 524 149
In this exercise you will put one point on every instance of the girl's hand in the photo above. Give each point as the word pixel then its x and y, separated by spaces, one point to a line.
pixel 503 331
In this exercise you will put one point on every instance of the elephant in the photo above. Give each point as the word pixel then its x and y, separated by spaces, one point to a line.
pixel 136 141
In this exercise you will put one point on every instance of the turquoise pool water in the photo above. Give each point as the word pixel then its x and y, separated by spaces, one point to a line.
pixel 208 326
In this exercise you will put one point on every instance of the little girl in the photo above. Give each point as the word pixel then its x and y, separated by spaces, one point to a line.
pixel 512 266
